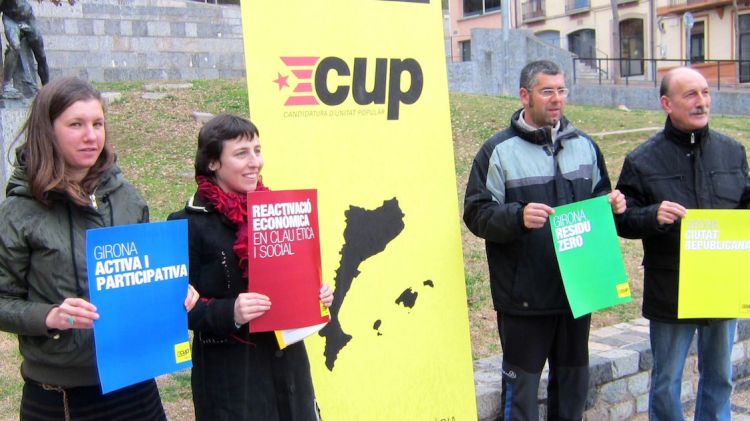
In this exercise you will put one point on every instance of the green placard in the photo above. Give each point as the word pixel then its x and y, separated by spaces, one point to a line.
pixel 589 255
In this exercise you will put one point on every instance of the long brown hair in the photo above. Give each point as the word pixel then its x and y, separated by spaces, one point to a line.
pixel 39 155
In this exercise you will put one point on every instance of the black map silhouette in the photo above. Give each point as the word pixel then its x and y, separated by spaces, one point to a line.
pixel 367 233
pixel 376 326
pixel 408 298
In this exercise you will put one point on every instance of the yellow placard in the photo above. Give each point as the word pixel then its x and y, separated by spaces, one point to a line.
pixel 182 352
pixel 623 290
pixel 351 98
pixel 714 252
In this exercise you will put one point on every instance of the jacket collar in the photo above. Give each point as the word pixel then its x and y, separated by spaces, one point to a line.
pixel 18 184
pixel 543 135
pixel 676 135
pixel 196 204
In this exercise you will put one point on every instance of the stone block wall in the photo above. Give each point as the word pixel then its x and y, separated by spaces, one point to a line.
pixel 497 60
pixel 122 40
pixel 620 364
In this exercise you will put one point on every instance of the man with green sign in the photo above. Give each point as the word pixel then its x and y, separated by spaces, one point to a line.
pixel 517 177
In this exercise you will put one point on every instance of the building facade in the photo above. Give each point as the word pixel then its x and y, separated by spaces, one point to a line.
pixel 465 15
pixel 654 35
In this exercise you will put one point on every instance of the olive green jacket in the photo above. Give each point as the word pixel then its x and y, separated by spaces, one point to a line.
pixel 43 262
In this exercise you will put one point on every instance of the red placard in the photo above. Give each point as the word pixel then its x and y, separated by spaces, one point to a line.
pixel 284 252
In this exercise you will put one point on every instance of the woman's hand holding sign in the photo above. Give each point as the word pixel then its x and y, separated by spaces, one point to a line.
pixel 249 306
pixel 73 313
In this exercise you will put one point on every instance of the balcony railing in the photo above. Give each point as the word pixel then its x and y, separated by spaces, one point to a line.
pixel 577 6
pixel 532 10
pixel 673 3
pixel 718 73
pixel 682 6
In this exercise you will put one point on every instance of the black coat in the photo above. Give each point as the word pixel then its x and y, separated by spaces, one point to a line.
pixel 236 375
pixel 699 170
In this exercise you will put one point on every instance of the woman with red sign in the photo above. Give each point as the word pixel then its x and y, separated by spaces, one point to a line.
pixel 237 375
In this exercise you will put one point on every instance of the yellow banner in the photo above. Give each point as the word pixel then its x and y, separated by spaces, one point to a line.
pixel 351 98
pixel 714 252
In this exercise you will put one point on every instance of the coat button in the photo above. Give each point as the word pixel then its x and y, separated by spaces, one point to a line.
pixel 525 304
pixel 279 354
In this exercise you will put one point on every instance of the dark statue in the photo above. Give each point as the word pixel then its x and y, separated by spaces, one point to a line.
pixel 24 50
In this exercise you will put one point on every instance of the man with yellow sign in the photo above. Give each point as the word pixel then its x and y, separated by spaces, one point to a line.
pixel 686 166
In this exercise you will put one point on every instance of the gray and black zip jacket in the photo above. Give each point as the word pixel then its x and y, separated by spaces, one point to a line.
pixel 515 167
pixel 43 262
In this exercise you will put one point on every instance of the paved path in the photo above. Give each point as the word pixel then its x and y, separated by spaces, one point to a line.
pixel 643 129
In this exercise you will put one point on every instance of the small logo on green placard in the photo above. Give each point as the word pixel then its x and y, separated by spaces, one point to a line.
pixel 623 290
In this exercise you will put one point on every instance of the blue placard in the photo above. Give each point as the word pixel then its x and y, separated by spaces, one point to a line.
pixel 138 280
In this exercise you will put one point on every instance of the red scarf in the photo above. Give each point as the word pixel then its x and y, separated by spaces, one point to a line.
pixel 234 207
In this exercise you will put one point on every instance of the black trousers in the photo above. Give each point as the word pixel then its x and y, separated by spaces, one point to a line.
pixel 528 342
pixel 51 403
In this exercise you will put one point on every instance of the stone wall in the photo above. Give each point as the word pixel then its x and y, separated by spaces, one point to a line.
pixel 497 60
pixel 119 40
pixel 620 364
pixel 723 102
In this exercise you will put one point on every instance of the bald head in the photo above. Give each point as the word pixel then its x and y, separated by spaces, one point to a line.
pixel 677 71
pixel 685 98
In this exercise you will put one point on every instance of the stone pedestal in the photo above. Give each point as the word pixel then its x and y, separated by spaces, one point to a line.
pixel 12 116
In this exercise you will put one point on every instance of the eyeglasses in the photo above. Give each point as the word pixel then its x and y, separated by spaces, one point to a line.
pixel 548 92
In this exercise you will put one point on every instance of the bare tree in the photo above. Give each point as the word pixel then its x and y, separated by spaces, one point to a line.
pixel 615 69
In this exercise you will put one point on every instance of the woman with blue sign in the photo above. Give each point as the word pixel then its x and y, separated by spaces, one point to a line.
pixel 65 182
pixel 237 375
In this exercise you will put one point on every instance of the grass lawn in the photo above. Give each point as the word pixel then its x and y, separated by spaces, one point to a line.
pixel 155 140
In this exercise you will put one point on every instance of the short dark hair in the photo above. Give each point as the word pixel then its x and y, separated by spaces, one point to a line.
pixel 529 72
pixel 212 136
